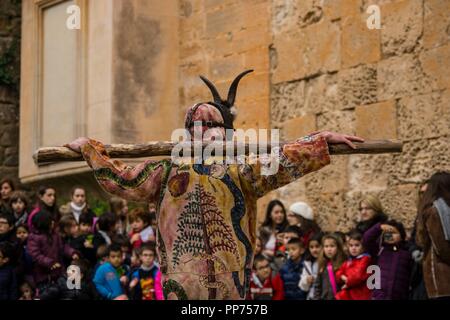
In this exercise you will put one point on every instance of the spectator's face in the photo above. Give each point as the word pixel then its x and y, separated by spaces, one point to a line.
pixel 314 248
pixel 115 258
pixel 147 257
pixel 355 247
pixel 5 191
pixel 329 248
pixel 4 226
pixel 295 251
pixel 18 206
pixel 293 219
pixel 277 215
pixel 85 228
pixel 72 229
pixel 49 197
pixel 79 197
pixel 366 212
pixel 263 269
pixel 137 225
pixel 21 234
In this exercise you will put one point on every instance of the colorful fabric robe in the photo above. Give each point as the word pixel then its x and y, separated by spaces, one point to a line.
pixel 206 213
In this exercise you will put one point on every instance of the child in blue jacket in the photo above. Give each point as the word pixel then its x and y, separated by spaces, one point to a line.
pixel 292 269
pixel 110 276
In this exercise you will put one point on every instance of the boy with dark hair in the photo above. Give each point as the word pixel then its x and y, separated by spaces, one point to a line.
pixel 290 272
pixel 108 278
pixel 146 281
pixel 264 284
pixel 7 228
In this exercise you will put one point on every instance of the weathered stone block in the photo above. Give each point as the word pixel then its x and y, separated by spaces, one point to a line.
pixel 435 64
pixel 257 59
pixel 226 68
pixel 287 100
pixel 248 108
pixel 402 25
pixel 350 8
pixel 312 50
pixel 359 44
pixel 436 29
pixel 288 15
pixel 400 203
pixel 403 76
pixel 298 127
pixel 419 160
pixel 367 173
pixel 330 179
pixel 321 94
pixel 288 63
pixel 322 47
pixel 328 208
pixel 425 116
pixel 357 86
pixel 338 121
pixel 377 121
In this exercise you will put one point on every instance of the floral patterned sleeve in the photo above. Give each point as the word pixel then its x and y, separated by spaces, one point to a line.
pixel 143 183
pixel 295 160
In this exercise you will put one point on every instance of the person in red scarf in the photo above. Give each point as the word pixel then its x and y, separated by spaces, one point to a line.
pixel 264 283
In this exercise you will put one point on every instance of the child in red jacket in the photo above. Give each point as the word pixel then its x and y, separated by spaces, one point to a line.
pixel 352 275
pixel 141 229
pixel 264 285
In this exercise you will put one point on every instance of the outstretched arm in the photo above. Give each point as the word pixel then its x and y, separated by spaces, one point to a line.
pixel 297 159
pixel 143 182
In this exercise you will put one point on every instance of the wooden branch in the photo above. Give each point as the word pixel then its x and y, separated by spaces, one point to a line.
pixel 164 148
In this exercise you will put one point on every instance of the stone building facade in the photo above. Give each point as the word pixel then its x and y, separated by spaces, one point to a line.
pixel 317 66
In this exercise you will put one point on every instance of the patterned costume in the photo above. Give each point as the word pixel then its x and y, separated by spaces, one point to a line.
pixel 206 212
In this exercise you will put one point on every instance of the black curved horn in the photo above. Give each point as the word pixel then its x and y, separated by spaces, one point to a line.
pixel 233 87
pixel 215 93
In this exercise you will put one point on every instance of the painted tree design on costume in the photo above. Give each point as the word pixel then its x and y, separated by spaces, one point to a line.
pixel 203 232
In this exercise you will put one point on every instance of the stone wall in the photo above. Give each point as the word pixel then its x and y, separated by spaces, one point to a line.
pixel 10 12
pixel 329 71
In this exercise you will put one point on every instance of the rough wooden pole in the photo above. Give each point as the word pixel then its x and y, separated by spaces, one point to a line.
pixel 164 148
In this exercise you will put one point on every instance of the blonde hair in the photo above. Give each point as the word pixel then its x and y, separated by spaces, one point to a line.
pixel 373 202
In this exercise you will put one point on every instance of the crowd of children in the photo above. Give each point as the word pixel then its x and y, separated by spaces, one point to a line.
pixel 375 259
pixel 115 256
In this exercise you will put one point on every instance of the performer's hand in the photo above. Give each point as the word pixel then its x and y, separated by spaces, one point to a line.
pixel 334 137
pixel 76 144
